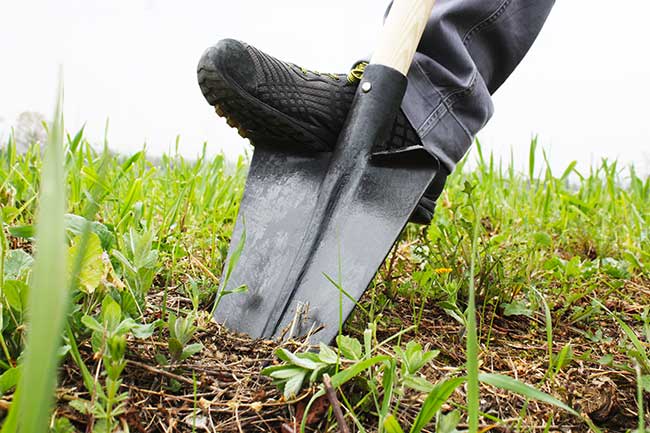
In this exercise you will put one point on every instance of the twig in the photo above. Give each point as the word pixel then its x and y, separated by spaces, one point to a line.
pixel 163 373
pixel 204 269
pixel 336 406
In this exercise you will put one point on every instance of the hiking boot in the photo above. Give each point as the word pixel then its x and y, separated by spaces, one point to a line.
pixel 282 105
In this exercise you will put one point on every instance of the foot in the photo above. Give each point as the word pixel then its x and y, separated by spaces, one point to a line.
pixel 279 104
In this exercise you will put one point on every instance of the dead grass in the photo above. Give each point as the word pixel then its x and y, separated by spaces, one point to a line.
pixel 221 389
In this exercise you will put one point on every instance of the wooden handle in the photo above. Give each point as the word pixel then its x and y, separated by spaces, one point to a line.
pixel 402 32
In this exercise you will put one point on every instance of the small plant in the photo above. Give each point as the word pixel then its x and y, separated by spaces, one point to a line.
pixel 301 367
pixel 386 378
pixel 108 340
pixel 181 331
pixel 139 262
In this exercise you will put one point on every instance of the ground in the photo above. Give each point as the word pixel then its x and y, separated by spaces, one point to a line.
pixel 225 389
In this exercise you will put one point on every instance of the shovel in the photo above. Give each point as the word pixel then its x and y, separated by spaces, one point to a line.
pixel 313 229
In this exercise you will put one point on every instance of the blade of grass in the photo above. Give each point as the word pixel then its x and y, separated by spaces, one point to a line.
pixel 472 340
pixel 639 399
pixel 642 356
pixel 392 426
pixel 513 385
pixel 48 296
pixel 434 401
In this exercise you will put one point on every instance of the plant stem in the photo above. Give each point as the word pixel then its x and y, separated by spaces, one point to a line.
pixel 472 340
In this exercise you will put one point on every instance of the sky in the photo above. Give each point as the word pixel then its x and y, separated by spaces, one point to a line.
pixel 583 89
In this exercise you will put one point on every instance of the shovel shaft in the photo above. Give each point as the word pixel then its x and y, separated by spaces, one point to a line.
pixel 401 34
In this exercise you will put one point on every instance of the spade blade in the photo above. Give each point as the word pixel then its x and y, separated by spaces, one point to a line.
pixel 319 226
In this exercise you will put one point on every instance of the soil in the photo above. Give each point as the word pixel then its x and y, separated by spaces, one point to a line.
pixel 221 390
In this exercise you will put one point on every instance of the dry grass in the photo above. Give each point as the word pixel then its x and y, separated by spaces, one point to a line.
pixel 222 391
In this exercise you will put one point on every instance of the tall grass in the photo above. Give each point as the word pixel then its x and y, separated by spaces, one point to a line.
pixel 48 298
pixel 164 225
pixel 472 352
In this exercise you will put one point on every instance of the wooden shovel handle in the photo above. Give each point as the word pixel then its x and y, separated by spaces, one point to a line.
pixel 402 32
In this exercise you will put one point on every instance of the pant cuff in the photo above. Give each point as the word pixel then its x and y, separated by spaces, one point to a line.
pixel 446 120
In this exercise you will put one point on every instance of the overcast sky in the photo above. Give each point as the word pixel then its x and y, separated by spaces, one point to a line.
pixel 583 88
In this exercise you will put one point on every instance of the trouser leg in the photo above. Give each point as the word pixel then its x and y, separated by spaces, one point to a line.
pixel 469 48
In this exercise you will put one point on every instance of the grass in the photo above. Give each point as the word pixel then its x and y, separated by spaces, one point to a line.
pixel 525 292
pixel 47 298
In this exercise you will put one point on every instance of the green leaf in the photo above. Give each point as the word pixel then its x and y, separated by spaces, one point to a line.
pixel 643 357
pixel 509 384
pixel 327 355
pixel 615 268
pixel 126 264
pixel 645 383
pixel 418 383
pixel 111 313
pixel 145 331
pixel 391 425
pixel 181 328
pixel 63 425
pixel 9 379
pixel 388 379
pixel 23 232
pixel 542 239
pixel 294 384
pixel 569 170
pixel 236 254
pixel 283 371
pixel 16 293
pixel 92 269
pixel 563 358
pixel 448 423
pixel 434 401
pixel 82 406
pixel 554 263
pixel 175 348
pixel 268 370
pixel 191 349
pixel 572 268
pixel 48 297
pixel 74 143
pixel 76 225
pixel 344 376
pixel 17 264
pixel 298 360
pixel 350 347
pixel 92 324
pixel 516 308
pixel 241 289
pixel 124 327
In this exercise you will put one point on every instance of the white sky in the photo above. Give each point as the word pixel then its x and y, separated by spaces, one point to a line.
pixel 583 88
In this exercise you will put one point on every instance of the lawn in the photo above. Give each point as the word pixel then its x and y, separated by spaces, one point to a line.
pixel 558 265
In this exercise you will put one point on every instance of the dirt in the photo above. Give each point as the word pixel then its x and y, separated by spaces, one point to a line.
pixel 221 389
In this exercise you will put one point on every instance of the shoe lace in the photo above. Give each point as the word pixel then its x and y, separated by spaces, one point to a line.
pixel 357 72
pixel 326 74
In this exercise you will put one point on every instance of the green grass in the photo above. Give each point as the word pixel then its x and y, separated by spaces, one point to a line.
pixel 553 249
pixel 48 297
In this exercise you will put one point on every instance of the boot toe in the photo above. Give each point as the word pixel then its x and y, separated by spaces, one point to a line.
pixel 231 61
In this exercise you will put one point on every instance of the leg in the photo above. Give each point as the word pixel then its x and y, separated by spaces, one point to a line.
pixel 469 48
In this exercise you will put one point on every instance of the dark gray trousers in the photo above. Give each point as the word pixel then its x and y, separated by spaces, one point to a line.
pixel 468 50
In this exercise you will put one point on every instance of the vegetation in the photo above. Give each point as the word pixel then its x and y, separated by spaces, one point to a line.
pixel 528 292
